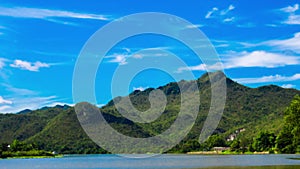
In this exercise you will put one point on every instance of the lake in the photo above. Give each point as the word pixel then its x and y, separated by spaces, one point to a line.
pixel 167 161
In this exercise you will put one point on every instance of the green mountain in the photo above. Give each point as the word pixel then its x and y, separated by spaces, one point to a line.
pixel 57 128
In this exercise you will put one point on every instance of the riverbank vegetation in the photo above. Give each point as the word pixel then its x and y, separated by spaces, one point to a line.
pixel 18 149
pixel 287 141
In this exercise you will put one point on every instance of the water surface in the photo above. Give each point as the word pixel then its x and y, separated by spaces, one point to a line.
pixel 159 162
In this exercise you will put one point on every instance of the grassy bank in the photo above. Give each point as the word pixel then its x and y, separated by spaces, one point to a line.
pixel 27 154
pixel 224 153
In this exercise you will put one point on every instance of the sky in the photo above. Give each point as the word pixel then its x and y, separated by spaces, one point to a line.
pixel 258 44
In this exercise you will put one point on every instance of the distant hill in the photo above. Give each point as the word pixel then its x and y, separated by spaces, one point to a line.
pixel 57 128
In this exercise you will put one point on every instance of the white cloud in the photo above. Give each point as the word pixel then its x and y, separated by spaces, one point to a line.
pixel 229 19
pixel 209 13
pixel 271 25
pixel 2 62
pixel 19 91
pixel 201 67
pixel 293 18
pixel 100 105
pixel 194 26
pixel 288 86
pixel 28 65
pixel 124 58
pixel 119 58
pixel 20 103
pixel 231 7
pixel 140 88
pixel 128 50
pixel 137 56
pixel 221 14
pixel 290 9
pixel 246 59
pixel 3 101
pixel 3 108
pixel 20 99
pixel 260 59
pixel 272 78
pixel 47 14
pixel 225 11
pixel 287 44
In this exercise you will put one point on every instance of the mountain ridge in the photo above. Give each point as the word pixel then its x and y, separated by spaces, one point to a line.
pixel 57 128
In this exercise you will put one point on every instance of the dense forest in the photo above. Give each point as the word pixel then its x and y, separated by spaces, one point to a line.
pixel 254 119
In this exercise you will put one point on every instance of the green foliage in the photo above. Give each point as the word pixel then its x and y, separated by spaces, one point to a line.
pixel 265 141
pixel 30 153
pixel 57 128
pixel 21 149
pixel 288 140
pixel 20 146
pixel 235 145
pixel 215 141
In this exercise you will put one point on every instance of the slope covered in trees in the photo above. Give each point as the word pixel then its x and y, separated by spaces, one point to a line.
pixel 253 109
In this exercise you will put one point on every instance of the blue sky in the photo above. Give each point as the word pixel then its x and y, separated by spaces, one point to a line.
pixel 258 43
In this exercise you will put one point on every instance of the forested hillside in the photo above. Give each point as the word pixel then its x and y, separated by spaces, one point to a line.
pixel 57 128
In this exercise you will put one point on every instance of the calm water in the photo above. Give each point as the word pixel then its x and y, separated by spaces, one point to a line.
pixel 162 161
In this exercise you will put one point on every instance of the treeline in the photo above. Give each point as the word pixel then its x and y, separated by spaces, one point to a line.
pixel 22 149
pixel 287 141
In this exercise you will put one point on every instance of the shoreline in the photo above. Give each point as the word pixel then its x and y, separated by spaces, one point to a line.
pixel 188 153
pixel 227 153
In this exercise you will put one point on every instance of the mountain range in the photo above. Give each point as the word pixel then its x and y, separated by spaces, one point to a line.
pixel 58 129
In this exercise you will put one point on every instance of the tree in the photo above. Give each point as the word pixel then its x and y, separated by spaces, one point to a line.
pixel 284 140
pixel 264 141
pixel 215 141
pixel 191 145
pixel 288 140
pixel 235 145
pixel 20 146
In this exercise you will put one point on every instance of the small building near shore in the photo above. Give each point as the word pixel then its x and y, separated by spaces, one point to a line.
pixel 218 149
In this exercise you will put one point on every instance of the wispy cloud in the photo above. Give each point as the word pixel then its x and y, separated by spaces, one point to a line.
pixel 194 26
pixel 284 44
pixel 293 18
pixel 229 19
pixel 292 43
pixel 2 62
pixel 123 57
pixel 225 11
pixel 48 14
pixel 288 86
pixel 201 67
pixel 25 65
pixel 290 9
pixel 32 102
pixel 119 58
pixel 265 79
pixel 19 99
pixel 3 101
pixel 19 91
pixel 260 59
pixel 247 59
pixel 221 14
pixel 211 12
